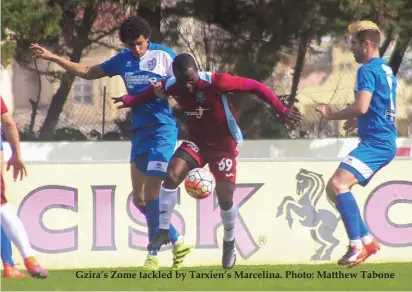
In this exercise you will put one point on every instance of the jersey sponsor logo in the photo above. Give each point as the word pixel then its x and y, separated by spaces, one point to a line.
pixel 133 79
pixel 151 64
pixel 198 113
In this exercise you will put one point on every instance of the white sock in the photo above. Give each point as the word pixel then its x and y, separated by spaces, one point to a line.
pixel 14 229
pixel 367 239
pixel 357 243
pixel 228 219
pixel 167 202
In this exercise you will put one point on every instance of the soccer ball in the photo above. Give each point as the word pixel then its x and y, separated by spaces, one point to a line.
pixel 200 183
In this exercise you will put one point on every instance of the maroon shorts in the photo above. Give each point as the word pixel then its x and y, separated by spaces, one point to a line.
pixel 3 191
pixel 222 161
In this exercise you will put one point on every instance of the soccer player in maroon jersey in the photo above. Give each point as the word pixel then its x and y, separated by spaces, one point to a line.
pixel 213 133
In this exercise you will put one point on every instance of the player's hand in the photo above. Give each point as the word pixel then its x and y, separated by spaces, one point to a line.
pixel 325 110
pixel 159 91
pixel 350 125
pixel 41 52
pixel 18 167
pixel 292 117
pixel 120 100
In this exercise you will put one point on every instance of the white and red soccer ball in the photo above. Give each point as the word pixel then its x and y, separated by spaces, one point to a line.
pixel 200 183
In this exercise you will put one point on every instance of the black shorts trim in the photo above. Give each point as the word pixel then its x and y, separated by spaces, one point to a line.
pixel 191 162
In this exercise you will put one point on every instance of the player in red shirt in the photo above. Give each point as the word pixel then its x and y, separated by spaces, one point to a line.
pixel 12 225
pixel 213 133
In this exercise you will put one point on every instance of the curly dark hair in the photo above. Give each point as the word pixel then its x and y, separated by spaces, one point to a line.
pixel 133 27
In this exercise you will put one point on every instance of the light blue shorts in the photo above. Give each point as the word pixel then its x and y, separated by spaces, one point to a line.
pixel 368 158
pixel 152 148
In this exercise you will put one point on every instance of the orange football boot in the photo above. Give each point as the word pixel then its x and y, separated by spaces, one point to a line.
pixel 12 272
pixel 34 269
pixel 371 248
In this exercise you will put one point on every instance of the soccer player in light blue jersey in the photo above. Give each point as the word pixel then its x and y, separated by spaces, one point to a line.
pixel 154 128
pixel 374 113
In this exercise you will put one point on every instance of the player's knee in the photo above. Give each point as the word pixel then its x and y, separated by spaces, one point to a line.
pixel 330 192
pixel 335 187
pixel 138 198
pixel 225 204
pixel 172 180
pixel 225 199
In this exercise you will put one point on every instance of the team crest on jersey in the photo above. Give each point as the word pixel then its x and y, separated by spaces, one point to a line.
pixel 200 97
pixel 151 64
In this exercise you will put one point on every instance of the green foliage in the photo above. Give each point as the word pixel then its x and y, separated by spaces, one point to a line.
pixel 24 21
pixel 393 16
pixel 247 38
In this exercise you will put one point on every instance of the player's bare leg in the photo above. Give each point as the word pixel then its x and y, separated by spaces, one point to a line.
pixel 228 212
pixel 176 172
pixel 362 244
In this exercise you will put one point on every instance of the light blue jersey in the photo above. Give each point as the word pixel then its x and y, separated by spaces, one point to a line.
pixel 137 74
pixel 154 127
pixel 376 128
pixel 379 121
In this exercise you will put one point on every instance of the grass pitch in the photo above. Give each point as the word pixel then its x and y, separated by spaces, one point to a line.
pixel 330 277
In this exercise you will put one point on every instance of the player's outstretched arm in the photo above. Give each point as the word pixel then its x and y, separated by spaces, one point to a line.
pixel 354 110
pixel 227 82
pixel 76 69
pixel 142 97
pixel 12 136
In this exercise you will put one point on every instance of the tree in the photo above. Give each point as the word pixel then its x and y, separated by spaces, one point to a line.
pixel 249 38
pixel 394 17
pixel 82 25
pixel 25 20
pixel 22 21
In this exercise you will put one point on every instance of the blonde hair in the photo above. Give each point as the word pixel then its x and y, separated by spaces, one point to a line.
pixel 359 26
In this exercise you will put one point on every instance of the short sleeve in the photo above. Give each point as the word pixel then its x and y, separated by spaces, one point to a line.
pixel 112 66
pixel 366 80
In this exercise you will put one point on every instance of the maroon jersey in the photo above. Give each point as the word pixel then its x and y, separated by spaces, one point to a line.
pixel 211 117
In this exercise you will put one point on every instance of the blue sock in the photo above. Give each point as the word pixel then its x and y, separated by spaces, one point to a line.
pixel 6 252
pixel 152 208
pixel 143 210
pixel 347 207
pixel 363 229
pixel 152 215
